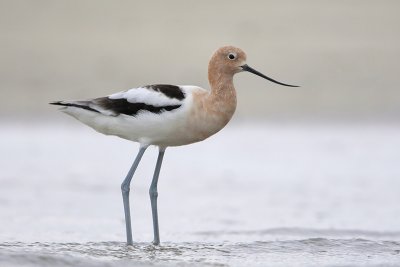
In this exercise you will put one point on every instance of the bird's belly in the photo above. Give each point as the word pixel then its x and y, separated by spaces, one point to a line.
pixel 169 129
pixel 173 128
pixel 181 132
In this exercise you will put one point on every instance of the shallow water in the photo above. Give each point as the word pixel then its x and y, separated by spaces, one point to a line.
pixel 254 195
pixel 298 252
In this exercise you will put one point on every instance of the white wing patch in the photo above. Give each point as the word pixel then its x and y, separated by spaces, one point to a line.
pixel 147 96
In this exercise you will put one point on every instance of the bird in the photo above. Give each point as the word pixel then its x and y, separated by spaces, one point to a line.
pixel 165 115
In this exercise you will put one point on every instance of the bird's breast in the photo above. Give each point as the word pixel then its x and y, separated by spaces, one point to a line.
pixel 209 114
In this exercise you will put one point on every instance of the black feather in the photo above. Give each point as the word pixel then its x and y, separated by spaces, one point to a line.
pixel 171 91
pixel 122 106
pixel 60 103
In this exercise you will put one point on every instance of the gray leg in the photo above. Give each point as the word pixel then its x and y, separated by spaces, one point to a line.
pixel 125 187
pixel 154 194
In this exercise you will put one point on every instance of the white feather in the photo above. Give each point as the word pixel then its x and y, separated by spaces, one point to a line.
pixel 147 96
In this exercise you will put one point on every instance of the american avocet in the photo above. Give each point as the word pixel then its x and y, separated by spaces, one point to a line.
pixel 165 115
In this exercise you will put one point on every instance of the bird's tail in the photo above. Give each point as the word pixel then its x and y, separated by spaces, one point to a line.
pixel 76 104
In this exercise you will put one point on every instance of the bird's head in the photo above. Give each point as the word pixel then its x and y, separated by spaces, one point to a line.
pixel 229 60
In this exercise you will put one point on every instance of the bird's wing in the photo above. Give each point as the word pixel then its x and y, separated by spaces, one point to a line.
pixel 156 98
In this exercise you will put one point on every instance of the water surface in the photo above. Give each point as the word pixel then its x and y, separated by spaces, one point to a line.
pixel 253 195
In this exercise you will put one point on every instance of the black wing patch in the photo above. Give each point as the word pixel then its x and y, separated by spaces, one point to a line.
pixel 117 106
pixel 171 91
pixel 122 106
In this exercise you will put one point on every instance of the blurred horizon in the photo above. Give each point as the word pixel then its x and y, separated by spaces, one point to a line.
pixel 343 54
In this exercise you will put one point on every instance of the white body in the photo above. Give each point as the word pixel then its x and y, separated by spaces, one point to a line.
pixel 184 125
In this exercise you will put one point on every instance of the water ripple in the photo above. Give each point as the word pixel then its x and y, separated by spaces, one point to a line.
pixel 302 252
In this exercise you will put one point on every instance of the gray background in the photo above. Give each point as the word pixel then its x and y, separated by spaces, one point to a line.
pixel 344 54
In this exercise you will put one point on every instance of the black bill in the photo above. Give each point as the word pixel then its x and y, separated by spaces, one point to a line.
pixel 245 67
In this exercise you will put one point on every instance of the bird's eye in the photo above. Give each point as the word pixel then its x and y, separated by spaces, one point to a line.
pixel 231 56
